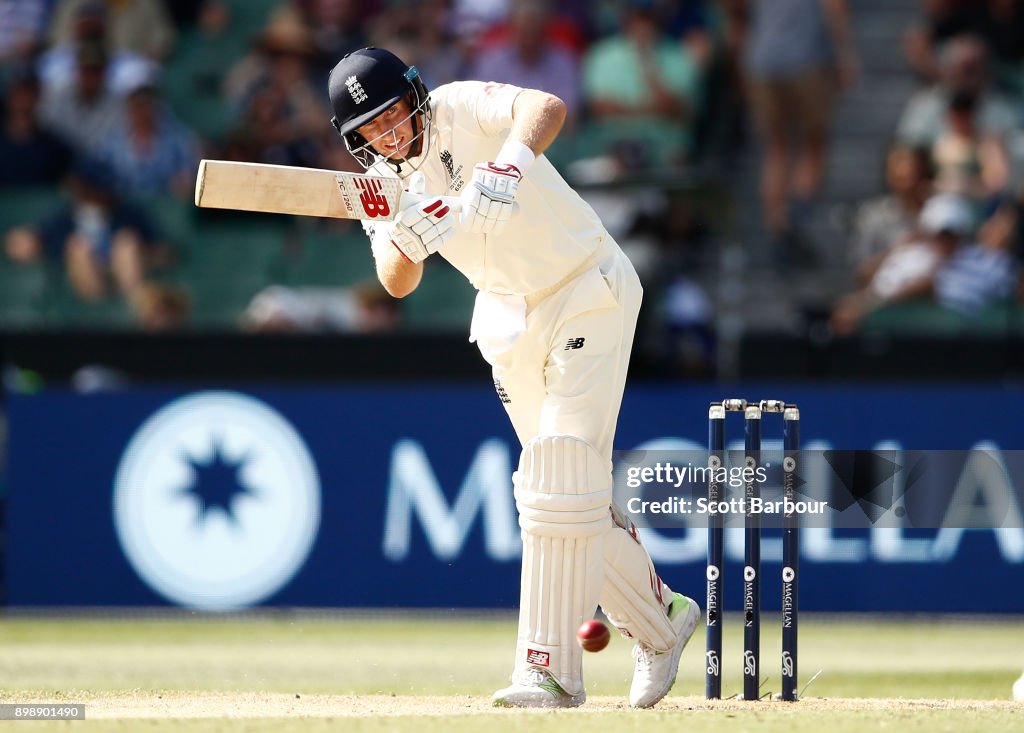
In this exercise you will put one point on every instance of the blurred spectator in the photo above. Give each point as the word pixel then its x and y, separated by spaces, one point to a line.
pixel 963 66
pixel 967 161
pixel 1004 33
pixel 194 83
pixel 338 27
pixel 22 27
pixel 139 26
pixel 421 33
pixel 360 309
pixel 726 130
pixel 105 244
pixel 31 155
pixel 282 113
pixel 941 21
pixel 798 54
pixel 473 18
pixel 566 26
pixel 688 340
pixel 883 222
pixel 999 23
pixel 641 88
pixel 186 13
pixel 909 269
pixel 58 66
pixel 980 274
pixel 526 58
pixel 83 111
pixel 689 21
pixel 150 151
pixel 574 24
pixel 604 17
pixel 160 307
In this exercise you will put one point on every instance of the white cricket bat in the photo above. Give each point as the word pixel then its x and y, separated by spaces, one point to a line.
pixel 282 189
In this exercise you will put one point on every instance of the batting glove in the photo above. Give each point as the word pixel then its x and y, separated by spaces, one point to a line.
pixel 488 201
pixel 423 229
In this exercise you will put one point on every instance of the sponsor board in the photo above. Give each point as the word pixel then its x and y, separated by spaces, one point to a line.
pixel 353 502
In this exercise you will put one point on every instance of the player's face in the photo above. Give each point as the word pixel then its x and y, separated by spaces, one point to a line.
pixel 391 133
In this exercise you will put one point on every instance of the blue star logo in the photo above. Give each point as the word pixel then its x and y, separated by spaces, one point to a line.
pixel 217 483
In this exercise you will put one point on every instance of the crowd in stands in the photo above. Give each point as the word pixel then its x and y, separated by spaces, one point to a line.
pixel 115 101
pixel 948 230
pixel 797 56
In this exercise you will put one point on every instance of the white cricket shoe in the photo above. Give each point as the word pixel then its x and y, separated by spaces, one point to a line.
pixel 655 671
pixel 536 688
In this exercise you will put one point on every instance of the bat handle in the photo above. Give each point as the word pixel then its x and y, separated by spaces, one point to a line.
pixel 453 202
pixel 411 199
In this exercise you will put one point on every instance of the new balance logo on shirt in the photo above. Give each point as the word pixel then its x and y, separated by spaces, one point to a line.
pixel 576 343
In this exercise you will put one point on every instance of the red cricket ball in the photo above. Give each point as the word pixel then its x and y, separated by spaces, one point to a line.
pixel 593 635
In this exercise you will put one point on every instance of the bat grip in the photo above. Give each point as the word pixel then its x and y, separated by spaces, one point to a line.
pixel 453 202
pixel 411 199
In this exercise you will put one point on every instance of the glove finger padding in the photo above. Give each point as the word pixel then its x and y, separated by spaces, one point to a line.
pixel 423 229
pixel 501 187
pixel 488 201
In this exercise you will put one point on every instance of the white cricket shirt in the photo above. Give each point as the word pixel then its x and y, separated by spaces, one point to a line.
pixel 553 232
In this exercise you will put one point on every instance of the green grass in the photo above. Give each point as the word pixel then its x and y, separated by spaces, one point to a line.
pixel 440 671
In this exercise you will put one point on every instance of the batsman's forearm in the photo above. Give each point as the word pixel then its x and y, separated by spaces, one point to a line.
pixel 398 276
pixel 537 118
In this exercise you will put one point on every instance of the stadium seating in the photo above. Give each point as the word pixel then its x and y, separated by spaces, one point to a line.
pixel 23 295
pixel 67 311
pixel 224 266
pixel 25 290
pixel 328 259
pixel 25 205
pixel 174 219
pixel 193 79
pixel 928 319
pixel 442 302
pixel 194 75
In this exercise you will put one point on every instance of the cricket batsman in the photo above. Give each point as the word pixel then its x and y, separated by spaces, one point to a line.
pixel 554 317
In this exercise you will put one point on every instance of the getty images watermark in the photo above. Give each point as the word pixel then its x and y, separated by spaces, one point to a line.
pixel 977 488
pixel 668 474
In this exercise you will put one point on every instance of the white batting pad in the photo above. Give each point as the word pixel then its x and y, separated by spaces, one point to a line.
pixel 563 492
pixel 633 596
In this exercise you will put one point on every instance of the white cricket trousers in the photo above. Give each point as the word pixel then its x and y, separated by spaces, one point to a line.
pixel 565 375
